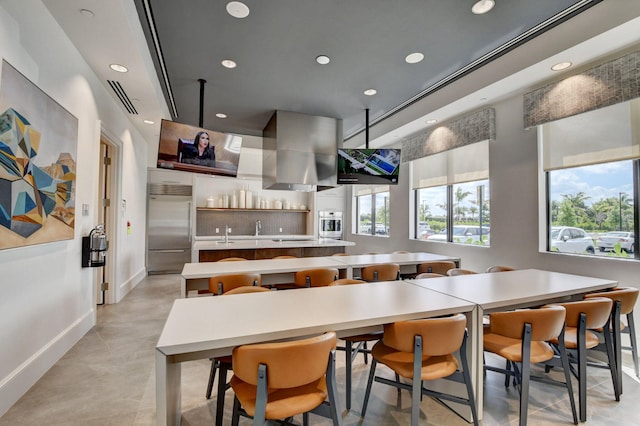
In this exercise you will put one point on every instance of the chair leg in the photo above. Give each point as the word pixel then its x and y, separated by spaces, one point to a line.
pixel 609 343
pixel 566 367
pixel 222 387
pixel 305 419
pixel 212 377
pixel 582 366
pixel 525 372
pixel 634 343
pixel 467 379
pixel 617 345
pixel 348 366
pixel 366 356
pixel 372 373
pixel 416 386
pixel 332 390
pixel 235 416
pixel 259 416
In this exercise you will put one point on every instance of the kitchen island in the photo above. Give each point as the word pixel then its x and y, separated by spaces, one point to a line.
pixel 212 249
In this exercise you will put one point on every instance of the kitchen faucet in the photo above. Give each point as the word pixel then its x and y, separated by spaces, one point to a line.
pixel 226 234
pixel 258 227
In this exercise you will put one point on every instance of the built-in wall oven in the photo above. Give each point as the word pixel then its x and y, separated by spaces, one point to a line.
pixel 330 225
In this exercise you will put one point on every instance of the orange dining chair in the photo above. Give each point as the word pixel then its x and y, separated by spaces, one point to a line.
pixel 498 268
pixel 521 336
pixel 436 266
pixel 459 271
pixel 231 259
pixel 221 284
pixel 428 275
pixel 285 256
pixel 340 254
pixel 346 281
pixel 624 299
pixel 223 363
pixel 319 277
pixel 582 315
pixel 381 272
pixel 421 350
pixel 275 381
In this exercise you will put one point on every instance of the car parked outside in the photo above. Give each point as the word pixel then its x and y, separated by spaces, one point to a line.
pixel 567 239
pixel 609 240
pixel 464 234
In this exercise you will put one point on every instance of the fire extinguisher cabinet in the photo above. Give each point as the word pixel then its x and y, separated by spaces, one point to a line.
pixel 94 248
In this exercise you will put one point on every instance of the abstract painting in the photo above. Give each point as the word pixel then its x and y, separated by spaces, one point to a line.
pixel 38 144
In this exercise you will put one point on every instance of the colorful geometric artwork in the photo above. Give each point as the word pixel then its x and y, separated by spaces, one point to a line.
pixel 37 202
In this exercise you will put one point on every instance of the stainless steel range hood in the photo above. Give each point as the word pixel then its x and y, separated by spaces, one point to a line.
pixel 299 151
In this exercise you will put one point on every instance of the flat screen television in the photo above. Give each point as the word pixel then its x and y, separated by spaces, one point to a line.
pixel 198 150
pixel 368 166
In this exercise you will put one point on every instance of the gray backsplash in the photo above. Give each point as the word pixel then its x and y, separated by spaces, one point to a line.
pixel 244 222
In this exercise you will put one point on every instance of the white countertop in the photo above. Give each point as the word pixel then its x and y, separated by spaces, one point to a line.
pixel 265 241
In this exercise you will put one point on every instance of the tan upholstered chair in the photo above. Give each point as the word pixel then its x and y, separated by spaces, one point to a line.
pixel 459 271
pixel 285 256
pixel 624 299
pixel 346 281
pixel 220 284
pixel 381 272
pixel 223 363
pixel 232 259
pixel 497 268
pixel 319 277
pixel 521 336
pixel 428 275
pixel 340 254
pixel 436 267
pixel 279 380
pixel 582 315
pixel 423 350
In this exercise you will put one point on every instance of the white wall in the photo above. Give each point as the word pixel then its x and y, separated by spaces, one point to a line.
pixel 47 301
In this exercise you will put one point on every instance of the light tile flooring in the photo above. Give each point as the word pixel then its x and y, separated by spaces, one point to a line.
pixel 108 379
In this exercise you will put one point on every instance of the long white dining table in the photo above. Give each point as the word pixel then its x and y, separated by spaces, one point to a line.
pixel 189 332
pixel 504 291
pixel 195 276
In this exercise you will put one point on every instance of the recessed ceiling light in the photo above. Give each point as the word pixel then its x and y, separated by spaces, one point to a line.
pixel 483 6
pixel 561 66
pixel 237 9
pixel 221 115
pixel 86 13
pixel 431 121
pixel 414 58
pixel 323 59
pixel 370 92
pixel 228 63
pixel 118 68
pixel 148 122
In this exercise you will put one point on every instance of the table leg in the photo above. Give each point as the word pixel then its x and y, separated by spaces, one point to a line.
pixel 168 391
pixel 183 287
pixel 477 358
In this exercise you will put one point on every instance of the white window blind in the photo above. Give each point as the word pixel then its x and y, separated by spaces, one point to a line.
pixel 369 189
pixel 465 164
pixel 601 136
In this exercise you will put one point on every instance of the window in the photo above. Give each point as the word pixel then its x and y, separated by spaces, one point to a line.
pixel 589 162
pixel 372 210
pixel 452 190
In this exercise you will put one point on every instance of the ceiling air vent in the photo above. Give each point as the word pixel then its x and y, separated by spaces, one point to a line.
pixel 122 95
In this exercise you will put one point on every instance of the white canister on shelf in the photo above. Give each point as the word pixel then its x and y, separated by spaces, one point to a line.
pixel 241 199
pixel 210 203
pixel 278 205
pixel 225 201
pixel 234 201
pixel 287 205
pixel 249 199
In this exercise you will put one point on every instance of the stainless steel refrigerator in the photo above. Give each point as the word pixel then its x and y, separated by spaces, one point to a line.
pixel 168 228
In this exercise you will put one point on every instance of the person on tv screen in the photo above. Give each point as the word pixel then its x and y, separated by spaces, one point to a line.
pixel 201 152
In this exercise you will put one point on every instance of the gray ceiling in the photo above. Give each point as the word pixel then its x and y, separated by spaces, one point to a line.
pixel 367 40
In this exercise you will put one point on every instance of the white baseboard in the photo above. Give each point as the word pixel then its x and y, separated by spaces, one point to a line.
pixel 131 283
pixel 20 380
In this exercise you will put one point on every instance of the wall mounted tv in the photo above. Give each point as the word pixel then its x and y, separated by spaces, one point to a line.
pixel 368 166
pixel 198 150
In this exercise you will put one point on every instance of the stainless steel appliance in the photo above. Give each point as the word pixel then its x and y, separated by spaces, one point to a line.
pixel 168 228
pixel 330 224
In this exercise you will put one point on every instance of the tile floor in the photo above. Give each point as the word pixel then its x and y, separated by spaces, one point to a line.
pixel 108 379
